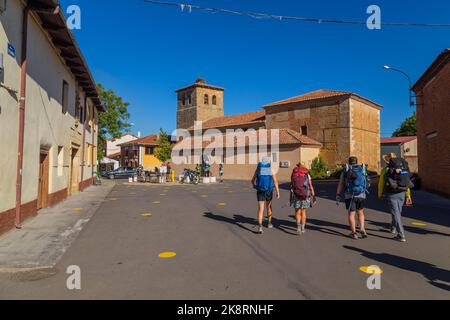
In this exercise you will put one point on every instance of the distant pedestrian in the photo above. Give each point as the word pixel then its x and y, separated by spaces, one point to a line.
pixel 169 171
pixel 354 182
pixel 198 170
pixel 302 195
pixel 221 172
pixel 265 181
pixel 395 182
pixel 207 169
pixel 163 173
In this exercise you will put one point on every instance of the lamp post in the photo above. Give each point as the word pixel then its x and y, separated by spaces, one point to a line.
pixel 411 93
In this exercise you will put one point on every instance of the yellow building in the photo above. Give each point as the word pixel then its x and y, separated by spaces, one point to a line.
pixel 140 153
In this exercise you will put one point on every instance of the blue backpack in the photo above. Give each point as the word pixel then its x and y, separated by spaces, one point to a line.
pixel 264 180
pixel 356 179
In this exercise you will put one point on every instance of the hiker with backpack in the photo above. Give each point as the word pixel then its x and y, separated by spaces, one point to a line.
pixel 395 183
pixel 354 182
pixel 302 195
pixel 265 181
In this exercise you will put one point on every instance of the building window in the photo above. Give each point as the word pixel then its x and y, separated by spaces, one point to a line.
pixel 183 99
pixel 149 150
pixel 189 98
pixel 304 130
pixel 78 112
pixel 214 100
pixel 432 135
pixel 65 96
pixel 206 99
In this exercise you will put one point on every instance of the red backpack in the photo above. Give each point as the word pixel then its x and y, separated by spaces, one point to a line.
pixel 300 183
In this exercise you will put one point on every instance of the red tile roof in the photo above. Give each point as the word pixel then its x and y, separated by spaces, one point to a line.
pixel 286 137
pixel 114 155
pixel 321 94
pixel 151 140
pixel 256 118
pixel 398 140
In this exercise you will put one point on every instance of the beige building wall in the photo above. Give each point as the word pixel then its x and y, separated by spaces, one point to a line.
pixel 46 127
pixel 365 134
pixel 291 154
pixel 9 33
pixel 326 123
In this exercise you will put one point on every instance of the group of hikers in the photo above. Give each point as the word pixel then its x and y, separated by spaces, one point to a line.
pixel 394 185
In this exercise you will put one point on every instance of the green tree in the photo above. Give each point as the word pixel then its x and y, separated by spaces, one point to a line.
pixel 319 169
pixel 407 128
pixel 164 150
pixel 114 122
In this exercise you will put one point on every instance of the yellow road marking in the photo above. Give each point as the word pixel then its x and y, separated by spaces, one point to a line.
pixel 371 270
pixel 78 209
pixel 156 202
pixel 222 204
pixel 204 196
pixel 147 214
pixel 167 255
pixel 419 224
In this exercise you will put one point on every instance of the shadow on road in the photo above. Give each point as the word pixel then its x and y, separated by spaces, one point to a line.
pixel 437 277
pixel 238 220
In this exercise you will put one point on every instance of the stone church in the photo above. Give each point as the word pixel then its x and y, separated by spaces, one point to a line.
pixel 332 124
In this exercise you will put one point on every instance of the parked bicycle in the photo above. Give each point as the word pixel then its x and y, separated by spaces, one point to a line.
pixel 191 176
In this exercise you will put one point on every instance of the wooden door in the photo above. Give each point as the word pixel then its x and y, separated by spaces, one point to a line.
pixel 43 181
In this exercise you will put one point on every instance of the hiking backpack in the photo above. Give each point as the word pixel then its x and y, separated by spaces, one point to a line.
pixel 300 183
pixel 356 179
pixel 398 177
pixel 264 180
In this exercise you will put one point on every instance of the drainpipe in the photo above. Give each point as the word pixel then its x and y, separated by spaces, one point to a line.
pixel 83 152
pixel 22 95
pixel 93 156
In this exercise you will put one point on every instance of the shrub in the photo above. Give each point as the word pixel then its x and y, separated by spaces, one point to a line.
pixel 319 169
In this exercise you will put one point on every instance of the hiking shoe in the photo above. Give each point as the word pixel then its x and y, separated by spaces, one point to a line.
pixel 303 229
pixel 400 238
pixel 260 230
pixel 363 234
pixel 393 230
pixel 270 225
pixel 354 236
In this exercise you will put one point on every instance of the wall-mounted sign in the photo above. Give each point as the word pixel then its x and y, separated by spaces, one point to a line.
pixel 285 164
pixel 11 50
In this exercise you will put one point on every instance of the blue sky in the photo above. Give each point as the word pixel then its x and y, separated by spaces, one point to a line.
pixel 144 52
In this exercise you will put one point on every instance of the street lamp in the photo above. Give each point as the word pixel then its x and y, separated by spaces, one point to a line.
pixel 411 92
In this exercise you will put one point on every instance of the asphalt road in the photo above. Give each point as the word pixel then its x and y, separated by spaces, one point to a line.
pixel 219 256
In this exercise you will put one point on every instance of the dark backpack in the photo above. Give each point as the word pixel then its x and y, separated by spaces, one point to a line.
pixel 264 179
pixel 398 177
pixel 300 183
pixel 356 177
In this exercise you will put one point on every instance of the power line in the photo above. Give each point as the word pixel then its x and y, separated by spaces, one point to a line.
pixel 257 15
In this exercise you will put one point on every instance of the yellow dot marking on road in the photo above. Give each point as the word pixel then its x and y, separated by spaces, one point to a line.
pixel 78 209
pixel 148 214
pixel 204 196
pixel 113 199
pixel 156 202
pixel 371 270
pixel 167 255
pixel 222 204
pixel 419 224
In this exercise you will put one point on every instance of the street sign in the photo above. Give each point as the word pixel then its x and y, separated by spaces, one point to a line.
pixel 11 50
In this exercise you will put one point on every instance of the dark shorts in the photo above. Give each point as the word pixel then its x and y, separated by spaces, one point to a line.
pixel 264 196
pixel 356 204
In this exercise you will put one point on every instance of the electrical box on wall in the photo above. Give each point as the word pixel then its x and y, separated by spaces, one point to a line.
pixel 2 6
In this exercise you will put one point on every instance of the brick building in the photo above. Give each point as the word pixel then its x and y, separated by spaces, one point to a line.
pixel 433 120
pixel 335 124
pixel 198 102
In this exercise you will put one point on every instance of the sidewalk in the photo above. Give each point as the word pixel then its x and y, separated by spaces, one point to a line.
pixel 43 239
